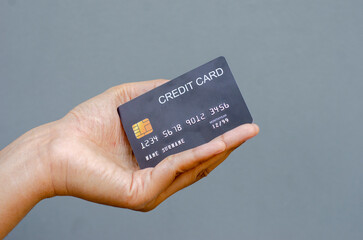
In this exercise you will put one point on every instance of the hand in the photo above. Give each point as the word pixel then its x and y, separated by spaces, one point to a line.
pixel 86 154
pixel 94 161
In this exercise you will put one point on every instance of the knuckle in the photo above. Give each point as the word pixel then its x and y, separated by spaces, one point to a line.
pixel 145 210
pixel 194 153
pixel 116 88
pixel 169 158
pixel 121 92
pixel 202 174
pixel 222 138
pixel 148 208
pixel 144 204
pixel 170 161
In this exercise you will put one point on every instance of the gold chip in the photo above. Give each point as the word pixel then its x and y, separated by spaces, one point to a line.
pixel 142 128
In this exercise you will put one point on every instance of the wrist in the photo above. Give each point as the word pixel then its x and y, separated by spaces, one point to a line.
pixel 24 164
pixel 26 174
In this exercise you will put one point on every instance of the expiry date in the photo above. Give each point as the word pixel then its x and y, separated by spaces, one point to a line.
pixel 220 123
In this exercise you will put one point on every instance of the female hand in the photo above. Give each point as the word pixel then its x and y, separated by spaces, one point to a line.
pixel 86 154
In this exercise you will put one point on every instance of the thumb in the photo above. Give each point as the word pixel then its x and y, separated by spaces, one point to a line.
pixel 126 92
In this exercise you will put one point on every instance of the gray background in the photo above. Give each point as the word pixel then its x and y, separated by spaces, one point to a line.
pixel 298 64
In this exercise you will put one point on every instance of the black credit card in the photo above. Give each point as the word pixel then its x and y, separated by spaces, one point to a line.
pixel 183 113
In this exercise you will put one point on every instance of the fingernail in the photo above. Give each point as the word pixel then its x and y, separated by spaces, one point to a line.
pixel 257 128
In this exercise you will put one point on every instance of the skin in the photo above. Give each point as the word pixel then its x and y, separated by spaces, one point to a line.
pixel 86 154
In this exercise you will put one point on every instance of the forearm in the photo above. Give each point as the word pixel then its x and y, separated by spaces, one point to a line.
pixel 24 176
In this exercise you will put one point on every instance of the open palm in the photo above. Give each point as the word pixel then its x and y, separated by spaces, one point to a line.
pixel 92 158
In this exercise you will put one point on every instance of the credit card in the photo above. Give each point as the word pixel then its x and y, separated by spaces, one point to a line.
pixel 184 113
